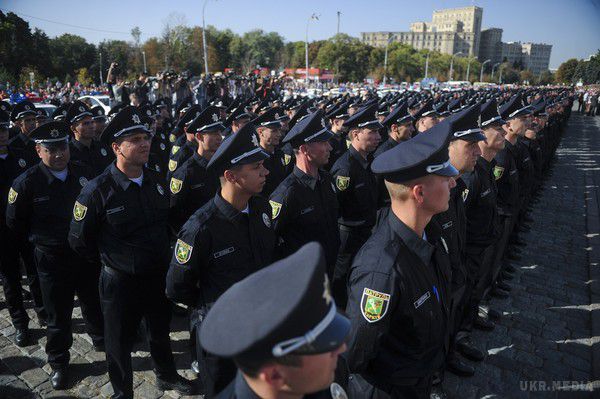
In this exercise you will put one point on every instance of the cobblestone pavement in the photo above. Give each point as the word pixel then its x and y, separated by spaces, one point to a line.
pixel 545 335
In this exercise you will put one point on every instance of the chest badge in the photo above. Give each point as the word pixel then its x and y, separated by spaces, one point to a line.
pixel 337 392
pixel 22 163
pixel 266 220
pixel 160 190
pixel 374 304
pixel 103 152
pixel 162 146
pixel 83 181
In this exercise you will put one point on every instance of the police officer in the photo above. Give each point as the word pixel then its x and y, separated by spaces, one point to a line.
pixel 84 148
pixel 278 164
pixel 99 118
pixel 9 262
pixel 185 145
pixel 193 185
pixel 507 180
pixel 305 207
pixel 40 207
pixel 337 117
pixel 397 288
pixel 283 347
pixel 356 190
pixel 226 240
pixel 463 152
pixel 121 217
pixel 480 198
pixel 236 120
pixel 426 117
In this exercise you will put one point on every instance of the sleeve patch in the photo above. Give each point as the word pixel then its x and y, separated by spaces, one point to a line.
pixel 374 305
pixel 79 211
pixel 172 165
pixel 12 196
pixel 183 252
pixel 175 185
pixel 498 172
pixel 342 182
pixel 276 208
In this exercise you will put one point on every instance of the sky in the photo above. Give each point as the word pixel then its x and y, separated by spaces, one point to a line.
pixel 571 26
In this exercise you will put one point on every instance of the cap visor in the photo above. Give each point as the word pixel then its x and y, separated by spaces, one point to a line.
pixel 473 137
pixel 447 171
pixel 326 135
pixel 331 338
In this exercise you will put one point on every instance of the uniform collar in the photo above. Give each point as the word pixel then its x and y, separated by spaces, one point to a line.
pixel 356 155
pixel 49 176
pixel 416 244
pixel 81 146
pixel 122 179
pixel 485 164
pixel 226 208
pixel 305 178
pixel 242 389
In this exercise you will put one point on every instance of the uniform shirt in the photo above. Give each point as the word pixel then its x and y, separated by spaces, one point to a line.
pixel 338 147
pixel 356 189
pixel 96 157
pixel 191 186
pixel 525 168
pixel 507 179
pixel 306 209
pixel 9 169
pixel 397 304
pixel 176 159
pixel 239 389
pixel 24 150
pixel 217 247
pixel 480 198
pixel 123 223
pixel 279 166
pixel 40 205
pixel 535 151
pixel 159 154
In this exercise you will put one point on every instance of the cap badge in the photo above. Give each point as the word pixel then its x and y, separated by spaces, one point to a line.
pixel 54 133
pixel 81 109
pixel 254 140
pixel 326 291
pixel 215 117
pixel 136 119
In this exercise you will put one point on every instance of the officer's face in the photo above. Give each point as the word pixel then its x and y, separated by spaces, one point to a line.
pixel 427 122
pixel 84 129
pixel 210 141
pixel 366 139
pixel 494 138
pixel 26 124
pixel 250 178
pixel 463 155
pixel 134 149
pixel 405 131
pixel 269 136
pixel 435 193
pixel 317 152
pixel 519 125
pixel 55 157
pixel 315 374
pixel 240 123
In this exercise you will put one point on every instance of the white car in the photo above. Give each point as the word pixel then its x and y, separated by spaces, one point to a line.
pixel 47 108
pixel 103 101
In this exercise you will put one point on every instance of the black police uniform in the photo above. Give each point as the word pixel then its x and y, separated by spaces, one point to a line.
pixel 279 166
pixel 96 157
pixel 219 246
pixel 126 224
pixel 398 300
pixel 338 148
pixel 191 186
pixel 182 147
pixel 42 210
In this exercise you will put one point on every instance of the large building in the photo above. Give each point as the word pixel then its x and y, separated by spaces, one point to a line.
pixel 458 30
pixel 450 31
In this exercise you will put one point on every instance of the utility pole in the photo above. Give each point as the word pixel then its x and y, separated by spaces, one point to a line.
pixel 101 78
pixel 338 21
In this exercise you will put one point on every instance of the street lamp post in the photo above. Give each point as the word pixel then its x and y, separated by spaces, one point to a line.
pixel 315 17
pixel 500 77
pixel 205 52
pixel 452 64
pixel 101 78
pixel 481 73
pixel 144 57
pixel 385 59
pixel 468 69
pixel 493 69
pixel 427 64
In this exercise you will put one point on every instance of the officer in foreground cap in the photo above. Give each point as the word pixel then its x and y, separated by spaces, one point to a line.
pixel 122 217
pixel 285 346
pixel 192 184
pixel 356 190
pixel 304 205
pixel 463 151
pixel 224 241
pixel 40 203
pixel 399 277
pixel 268 128
pixel 84 147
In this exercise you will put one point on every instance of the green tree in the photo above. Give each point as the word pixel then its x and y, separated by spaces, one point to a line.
pixel 566 71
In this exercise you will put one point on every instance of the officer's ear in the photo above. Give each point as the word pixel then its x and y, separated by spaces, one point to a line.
pixel 199 137
pixel 417 192
pixel 38 150
pixel 115 147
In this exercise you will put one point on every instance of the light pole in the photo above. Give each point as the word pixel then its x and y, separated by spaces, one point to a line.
pixel 338 20
pixel 500 77
pixel 468 69
pixel 101 78
pixel 204 39
pixel 452 64
pixel 481 73
pixel 144 57
pixel 493 69
pixel 427 63
pixel 315 17
pixel 389 39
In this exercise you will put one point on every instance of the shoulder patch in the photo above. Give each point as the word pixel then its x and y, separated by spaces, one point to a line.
pixel 172 165
pixel 276 208
pixel 374 304
pixel 286 159
pixel 175 185
pixel 175 149
pixel 183 252
pixel 498 171
pixel 12 195
pixel 79 211
pixel 172 138
pixel 342 182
